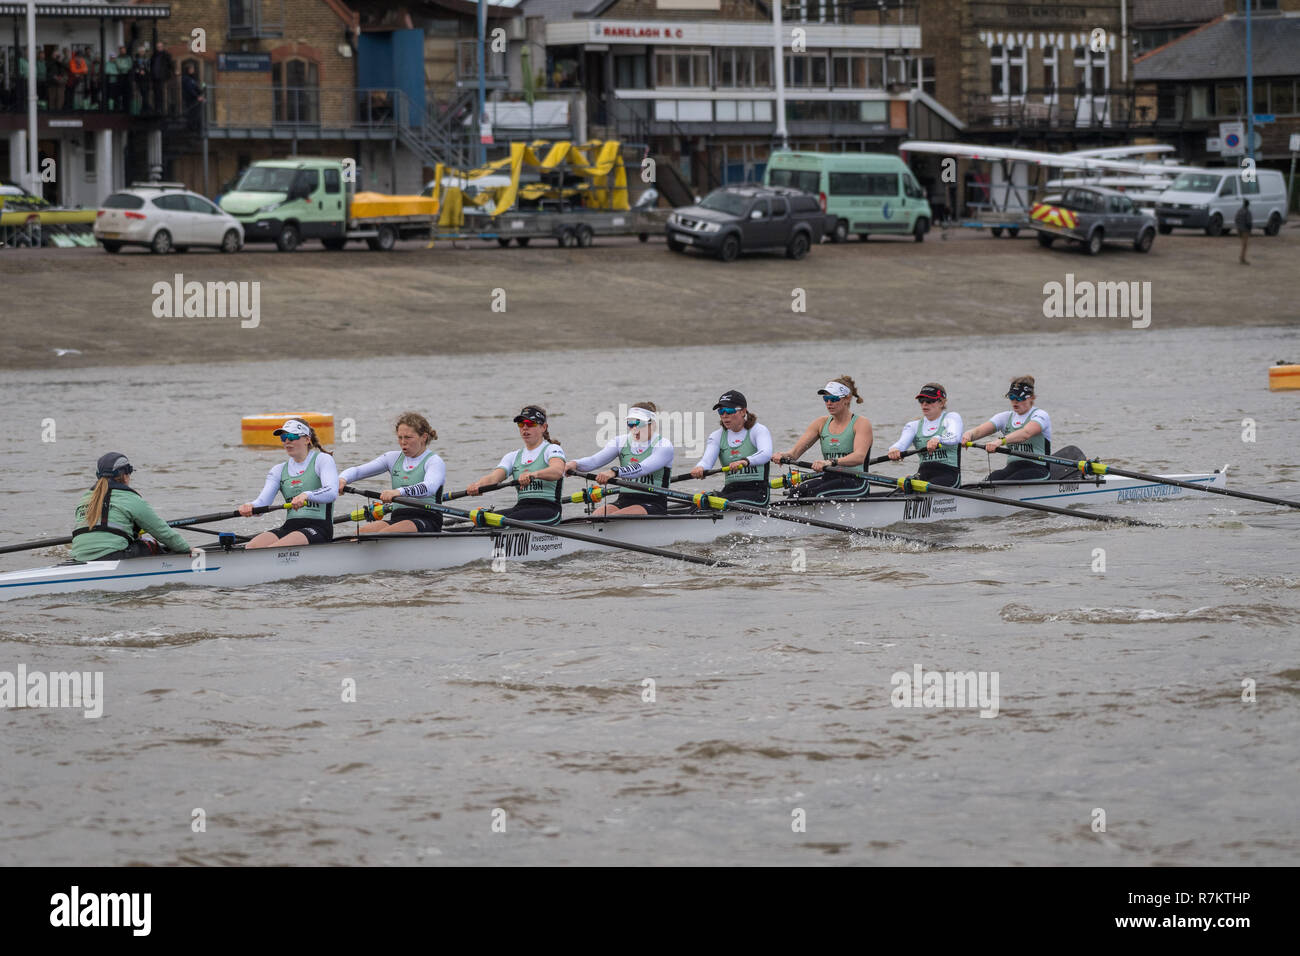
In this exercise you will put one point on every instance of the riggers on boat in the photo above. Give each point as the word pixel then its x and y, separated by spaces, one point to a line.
pixel 238 567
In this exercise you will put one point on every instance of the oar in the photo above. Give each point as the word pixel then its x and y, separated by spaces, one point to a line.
pixel 239 538
pixel 797 478
pixel 687 476
pixel 1096 467
pixel 508 483
pixel 929 487
pixel 178 523
pixel 726 504
pixel 482 518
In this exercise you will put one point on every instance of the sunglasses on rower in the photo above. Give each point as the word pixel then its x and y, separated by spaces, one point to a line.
pixel 529 423
pixel 286 438
pixel 832 399
pixel 727 411
pixel 635 423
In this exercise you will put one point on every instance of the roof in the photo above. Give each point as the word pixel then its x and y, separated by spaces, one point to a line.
pixel 1218 51
pixel 1152 13
pixel 89 8
pixel 551 10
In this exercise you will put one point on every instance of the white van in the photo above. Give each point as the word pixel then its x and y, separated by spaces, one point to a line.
pixel 1209 199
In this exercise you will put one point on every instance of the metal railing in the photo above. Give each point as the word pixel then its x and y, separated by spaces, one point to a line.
pixel 1054 107
pixel 302 107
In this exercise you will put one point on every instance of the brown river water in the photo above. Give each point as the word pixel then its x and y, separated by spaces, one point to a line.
pixel 504 717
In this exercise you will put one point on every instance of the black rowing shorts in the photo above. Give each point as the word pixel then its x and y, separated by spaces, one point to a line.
pixel 317 530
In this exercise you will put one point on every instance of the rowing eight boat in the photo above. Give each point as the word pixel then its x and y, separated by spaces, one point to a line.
pixel 237 567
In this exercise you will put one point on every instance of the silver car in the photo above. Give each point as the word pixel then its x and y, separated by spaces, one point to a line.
pixel 165 217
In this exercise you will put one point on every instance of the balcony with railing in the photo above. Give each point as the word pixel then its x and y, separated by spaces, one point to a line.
pixel 280 112
pixel 496 75
pixel 1053 108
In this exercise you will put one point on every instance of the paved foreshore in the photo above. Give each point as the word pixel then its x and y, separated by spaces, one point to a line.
pixel 83 307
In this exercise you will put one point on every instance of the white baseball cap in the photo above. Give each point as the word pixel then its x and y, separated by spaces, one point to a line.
pixel 838 389
pixel 293 427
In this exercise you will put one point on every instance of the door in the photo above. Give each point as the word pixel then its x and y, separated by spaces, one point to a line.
pixel 332 204
pixel 306 208
pixel 757 231
pixel 177 218
pixel 1226 203
pixel 209 226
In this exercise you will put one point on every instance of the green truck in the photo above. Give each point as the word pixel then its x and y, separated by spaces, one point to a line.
pixel 865 192
pixel 287 201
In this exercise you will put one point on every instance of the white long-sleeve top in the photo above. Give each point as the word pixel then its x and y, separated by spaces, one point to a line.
pixel 661 456
pixel 326 471
pixel 949 434
pixel 435 471
pixel 759 433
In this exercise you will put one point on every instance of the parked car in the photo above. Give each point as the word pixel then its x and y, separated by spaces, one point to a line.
pixel 1209 199
pixel 1093 216
pixel 737 219
pixel 865 192
pixel 164 217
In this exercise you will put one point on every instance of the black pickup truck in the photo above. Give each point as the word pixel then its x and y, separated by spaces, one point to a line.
pixel 737 219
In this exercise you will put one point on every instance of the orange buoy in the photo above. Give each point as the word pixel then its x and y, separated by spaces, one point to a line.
pixel 1283 378
pixel 260 429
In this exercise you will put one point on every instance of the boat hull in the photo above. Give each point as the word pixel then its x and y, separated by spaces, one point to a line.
pixel 368 554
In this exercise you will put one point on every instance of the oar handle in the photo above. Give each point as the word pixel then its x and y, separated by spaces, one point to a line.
pixel 490 519
pixel 508 483
pixel 688 476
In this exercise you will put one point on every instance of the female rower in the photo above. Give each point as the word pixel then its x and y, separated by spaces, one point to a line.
pixel 537 469
pixel 308 480
pixel 744 445
pixel 644 456
pixel 1024 428
pixel 415 472
pixel 845 443
pixel 111 513
pixel 936 434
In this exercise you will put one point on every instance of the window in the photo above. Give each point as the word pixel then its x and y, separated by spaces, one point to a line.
pixel 1250 188
pixel 864 184
pixel 1008 72
pixel 805 179
pixel 1092 70
pixel 779 208
pixel 806 70
pixel 923 74
pixel 1200 107
pixel 1227 100
pixel 297 92
pixel 1051 71
pixel 742 67
pixel 629 72
pixel 1119 205
pixel 759 210
pixel 912 188
pixel 682 68
pixel 1261 98
pixel 172 202
pixel 200 205
pixel 88 148
pixel 307 180
pixel 1229 187
pixel 1283 97
pixel 332 181
pixel 123 201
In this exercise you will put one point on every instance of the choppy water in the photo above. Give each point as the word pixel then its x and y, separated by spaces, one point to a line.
pixel 524 690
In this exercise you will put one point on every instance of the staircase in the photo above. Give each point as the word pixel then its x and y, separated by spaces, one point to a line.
pixel 442 137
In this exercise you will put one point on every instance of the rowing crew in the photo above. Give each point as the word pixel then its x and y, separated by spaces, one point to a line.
pixel 309 480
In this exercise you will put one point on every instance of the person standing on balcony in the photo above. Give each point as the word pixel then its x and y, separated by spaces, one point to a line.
pixel 58 82
pixel 78 76
pixel 161 70
pixel 140 81
pixel 118 70
pixel 191 96
pixel 1244 222
pixel 41 92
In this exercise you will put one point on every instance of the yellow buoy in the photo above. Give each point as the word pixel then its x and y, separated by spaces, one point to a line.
pixel 1283 378
pixel 260 429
